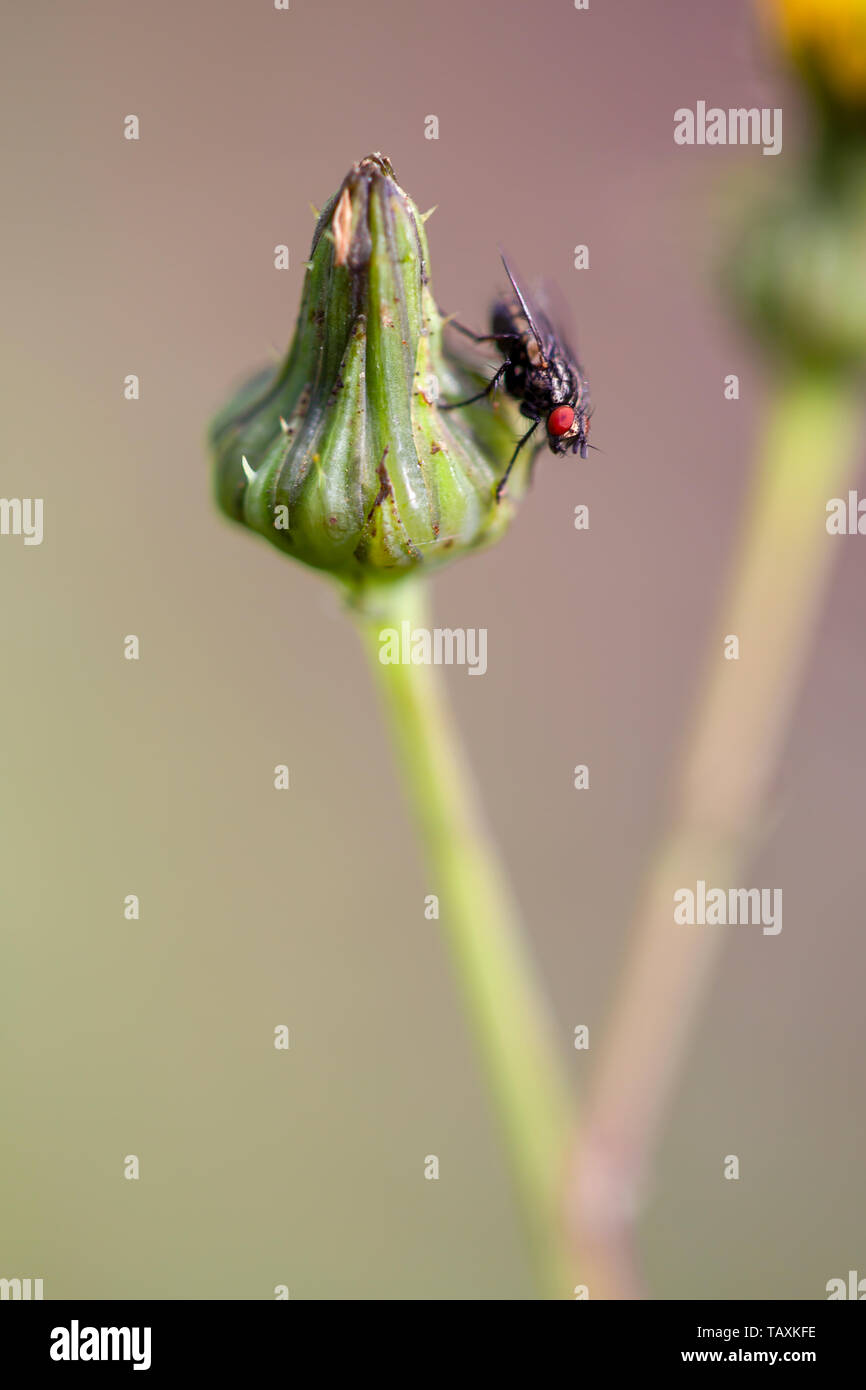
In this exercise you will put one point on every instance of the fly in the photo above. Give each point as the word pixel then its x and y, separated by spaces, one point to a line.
pixel 540 371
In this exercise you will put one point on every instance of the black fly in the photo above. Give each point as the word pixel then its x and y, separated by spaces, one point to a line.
pixel 540 370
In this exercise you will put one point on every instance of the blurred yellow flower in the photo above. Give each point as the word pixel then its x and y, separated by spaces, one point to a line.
pixel 827 38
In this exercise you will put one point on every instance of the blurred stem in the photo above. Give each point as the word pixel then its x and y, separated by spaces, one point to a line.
pixel 772 604
pixel 506 1007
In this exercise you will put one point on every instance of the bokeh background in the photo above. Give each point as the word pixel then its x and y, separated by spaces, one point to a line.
pixel 154 1037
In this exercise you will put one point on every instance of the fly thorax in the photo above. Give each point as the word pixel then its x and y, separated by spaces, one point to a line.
pixel 559 382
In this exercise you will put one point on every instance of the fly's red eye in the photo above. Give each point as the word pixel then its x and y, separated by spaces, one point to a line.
pixel 560 420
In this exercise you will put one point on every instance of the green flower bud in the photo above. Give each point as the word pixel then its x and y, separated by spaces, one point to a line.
pixel 344 458
pixel 798 269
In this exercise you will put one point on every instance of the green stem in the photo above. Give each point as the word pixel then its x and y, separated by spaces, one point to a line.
pixel 772 603
pixel 506 1007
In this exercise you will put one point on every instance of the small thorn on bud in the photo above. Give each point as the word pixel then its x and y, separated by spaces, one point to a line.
pixel 283 425
pixel 249 471
pixel 429 212
pixel 341 226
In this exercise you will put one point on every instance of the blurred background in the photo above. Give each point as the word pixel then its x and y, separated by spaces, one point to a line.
pixel 155 1037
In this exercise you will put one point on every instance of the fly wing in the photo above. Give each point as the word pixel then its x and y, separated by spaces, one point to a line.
pixel 540 325
pixel 550 304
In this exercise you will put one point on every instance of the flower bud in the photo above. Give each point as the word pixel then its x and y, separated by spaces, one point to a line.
pixel 344 458
pixel 798 269
pixel 797 272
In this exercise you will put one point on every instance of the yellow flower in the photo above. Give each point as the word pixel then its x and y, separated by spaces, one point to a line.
pixel 827 38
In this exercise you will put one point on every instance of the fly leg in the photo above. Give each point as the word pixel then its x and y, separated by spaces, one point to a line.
pixel 488 390
pixel 500 486
pixel 483 337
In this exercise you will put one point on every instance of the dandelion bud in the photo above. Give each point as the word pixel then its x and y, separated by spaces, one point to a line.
pixel 798 270
pixel 344 458
pixel 798 275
